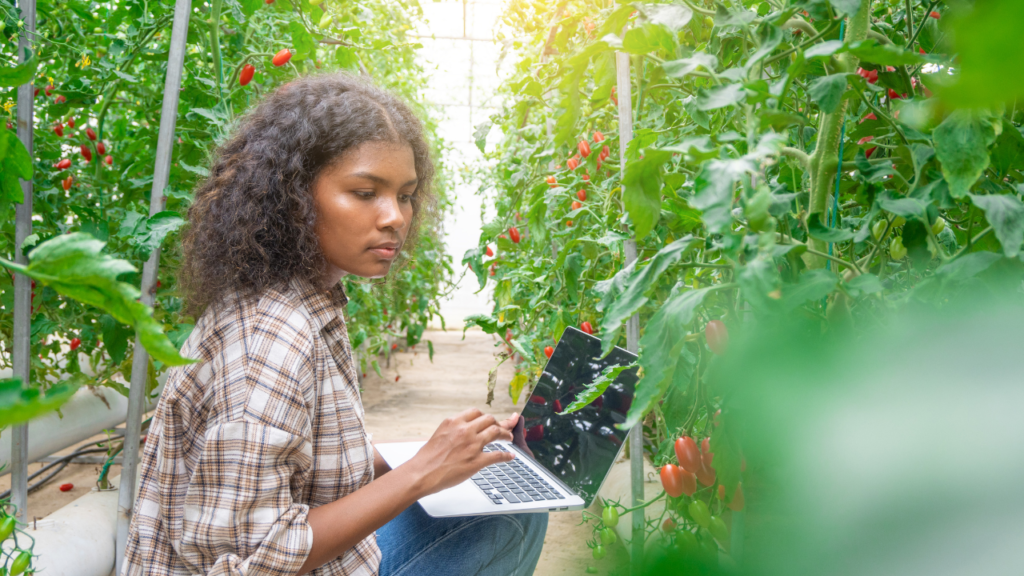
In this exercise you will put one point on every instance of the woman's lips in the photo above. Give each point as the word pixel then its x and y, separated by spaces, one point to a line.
pixel 385 252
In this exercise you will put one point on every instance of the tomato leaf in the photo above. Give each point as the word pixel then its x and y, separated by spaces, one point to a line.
pixel 847 7
pixel 817 230
pixel 16 163
pixel 19 405
pixel 813 285
pixel 156 228
pixel 714 191
pixel 720 96
pixel 684 66
pixel 642 190
pixel 827 91
pixel 757 280
pixel 72 264
pixel 961 145
pixel 671 16
pixel 515 387
pixel 11 76
pixel 907 207
pixel 1005 213
pixel 640 282
pixel 663 359
pixel 594 390
pixel 890 54
pixel 864 284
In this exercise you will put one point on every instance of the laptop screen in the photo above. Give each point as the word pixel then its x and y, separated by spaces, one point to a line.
pixel 579 448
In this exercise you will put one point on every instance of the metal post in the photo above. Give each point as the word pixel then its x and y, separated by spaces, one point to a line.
pixel 23 284
pixel 636 439
pixel 157 201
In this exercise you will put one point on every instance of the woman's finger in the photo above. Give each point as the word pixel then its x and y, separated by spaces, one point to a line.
pixel 511 422
pixel 496 432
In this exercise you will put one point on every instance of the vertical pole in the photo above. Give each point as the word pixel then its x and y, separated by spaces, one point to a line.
pixel 23 284
pixel 157 201
pixel 636 440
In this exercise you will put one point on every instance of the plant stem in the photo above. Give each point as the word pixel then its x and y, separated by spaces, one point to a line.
pixel 215 43
pixel 825 160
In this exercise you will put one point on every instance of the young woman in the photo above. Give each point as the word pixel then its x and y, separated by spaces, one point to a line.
pixel 257 461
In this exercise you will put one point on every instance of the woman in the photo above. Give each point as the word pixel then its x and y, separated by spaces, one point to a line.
pixel 258 461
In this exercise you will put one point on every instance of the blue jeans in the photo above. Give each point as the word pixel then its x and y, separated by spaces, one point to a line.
pixel 416 544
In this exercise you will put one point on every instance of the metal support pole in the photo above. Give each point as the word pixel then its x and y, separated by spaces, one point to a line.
pixel 157 201
pixel 636 439
pixel 23 284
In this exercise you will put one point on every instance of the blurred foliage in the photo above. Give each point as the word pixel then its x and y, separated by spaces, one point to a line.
pixel 744 113
pixel 99 68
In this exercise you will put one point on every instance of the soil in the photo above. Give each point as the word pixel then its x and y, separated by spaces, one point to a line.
pixel 411 408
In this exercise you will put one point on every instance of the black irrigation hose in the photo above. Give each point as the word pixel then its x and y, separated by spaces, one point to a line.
pixel 62 462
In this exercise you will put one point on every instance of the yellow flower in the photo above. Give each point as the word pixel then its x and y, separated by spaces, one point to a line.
pixel 8 105
pixel 85 61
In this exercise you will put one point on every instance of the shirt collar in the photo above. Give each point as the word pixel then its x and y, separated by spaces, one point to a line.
pixel 323 304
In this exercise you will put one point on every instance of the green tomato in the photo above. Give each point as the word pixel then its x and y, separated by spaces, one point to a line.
pixel 599 552
pixel 687 541
pixel 718 529
pixel 6 528
pixel 938 226
pixel 878 229
pixel 20 563
pixel 608 536
pixel 591 570
pixel 315 2
pixel 325 20
pixel 897 251
pixel 610 516
pixel 699 512
pixel 899 221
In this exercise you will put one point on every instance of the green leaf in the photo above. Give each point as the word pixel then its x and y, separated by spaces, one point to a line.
pixel 846 7
pixel 19 405
pixel 987 40
pixel 672 16
pixel 115 337
pixel 909 207
pixel 200 170
pixel 961 145
pixel 518 346
pixel 823 49
pixel 16 163
pixel 647 39
pixel 1005 213
pixel 714 191
pixel 817 230
pixel 719 96
pixel 966 266
pixel 632 297
pixel 515 387
pixel 864 284
pixel 757 280
pixel 486 323
pixel 594 390
pixel 813 285
pixel 827 91
pixel 480 135
pixel 641 185
pixel 890 54
pixel 663 359
pixel 11 76
pixel 681 68
pixel 73 265
pixel 157 227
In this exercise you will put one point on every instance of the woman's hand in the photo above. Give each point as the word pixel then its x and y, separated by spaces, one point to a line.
pixel 455 451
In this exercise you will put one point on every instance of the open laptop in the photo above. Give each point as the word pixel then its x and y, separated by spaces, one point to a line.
pixel 567 457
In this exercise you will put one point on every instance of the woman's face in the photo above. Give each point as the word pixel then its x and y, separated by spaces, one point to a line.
pixel 364 209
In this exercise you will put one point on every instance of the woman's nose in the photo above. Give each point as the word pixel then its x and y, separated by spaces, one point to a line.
pixel 391 213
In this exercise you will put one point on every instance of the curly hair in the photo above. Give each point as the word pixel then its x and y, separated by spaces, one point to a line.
pixel 252 223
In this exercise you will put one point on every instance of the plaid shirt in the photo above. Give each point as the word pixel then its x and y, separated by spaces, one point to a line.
pixel 267 425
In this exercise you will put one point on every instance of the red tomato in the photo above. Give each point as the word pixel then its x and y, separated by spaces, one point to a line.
pixel 606 151
pixel 582 195
pixel 246 75
pixel 687 454
pixel 572 163
pixel 935 14
pixel 614 99
pixel 58 130
pixel 598 137
pixel 492 269
pixel 558 406
pixel 49 90
pixel 586 177
pixel 90 133
pixel 552 181
pixel 396 377
pixel 66 183
pixel 282 57
pixel 586 327
pixel 489 252
pixel 576 205
pixel 101 147
pixel 548 351
pixel 706 476
pixel 672 480
pixel 717 336
pixel 894 96
pixel 394 346
pixel 71 122
pixel 513 234
pixel 63 164
pixel 502 236
pixel 66 487
pixel 568 223
pixel 870 116
pixel 109 160
pixel 75 343
pixel 537 399
pixel 668 525
pixel 706 456
pixel 86 153
pixel 535 433
pixel 584 148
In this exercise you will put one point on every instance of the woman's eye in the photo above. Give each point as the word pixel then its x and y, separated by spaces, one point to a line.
pixel 406 197
pixel 364 194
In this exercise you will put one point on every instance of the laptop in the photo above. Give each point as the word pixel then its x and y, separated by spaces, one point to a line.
pixel 566 458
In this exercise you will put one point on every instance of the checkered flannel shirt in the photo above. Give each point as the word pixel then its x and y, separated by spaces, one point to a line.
pixel 268 424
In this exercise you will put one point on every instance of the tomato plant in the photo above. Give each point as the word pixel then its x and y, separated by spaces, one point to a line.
pixel 96 125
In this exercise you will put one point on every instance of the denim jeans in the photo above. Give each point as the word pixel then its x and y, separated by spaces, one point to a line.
pixel 416 544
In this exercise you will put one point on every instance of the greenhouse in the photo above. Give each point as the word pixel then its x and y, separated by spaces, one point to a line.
pixel 497 287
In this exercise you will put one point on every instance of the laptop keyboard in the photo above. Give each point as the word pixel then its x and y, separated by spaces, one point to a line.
pixel 513 482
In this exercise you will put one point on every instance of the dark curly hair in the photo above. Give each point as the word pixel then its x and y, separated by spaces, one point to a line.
pixel 252 224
